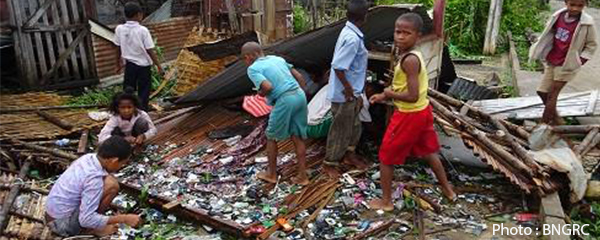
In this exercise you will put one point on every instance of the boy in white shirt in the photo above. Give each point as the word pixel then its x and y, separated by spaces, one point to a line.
pixel 136 50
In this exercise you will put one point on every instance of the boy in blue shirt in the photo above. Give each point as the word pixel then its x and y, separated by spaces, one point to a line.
pixel 282 85
pixel 347 83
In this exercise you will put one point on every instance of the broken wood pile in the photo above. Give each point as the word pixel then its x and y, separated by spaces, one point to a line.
pixel 497 142
pixel 23 207
pixel 191 69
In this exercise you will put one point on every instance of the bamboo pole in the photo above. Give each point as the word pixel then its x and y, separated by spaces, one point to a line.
pixel 516 146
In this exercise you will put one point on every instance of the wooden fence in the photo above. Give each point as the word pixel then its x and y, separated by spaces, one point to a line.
pixel 53 42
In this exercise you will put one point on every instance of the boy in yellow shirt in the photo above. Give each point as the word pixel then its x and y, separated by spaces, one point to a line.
pixel 410 131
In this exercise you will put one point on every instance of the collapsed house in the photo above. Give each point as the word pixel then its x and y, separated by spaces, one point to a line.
pixel 202 164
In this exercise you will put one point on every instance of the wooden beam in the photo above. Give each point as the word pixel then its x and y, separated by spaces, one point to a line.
pixel 493 27
pixel 38 14
pixel 54 28
pixel 54 120
pixel 64 55
pixel 31 109
pixel 12 195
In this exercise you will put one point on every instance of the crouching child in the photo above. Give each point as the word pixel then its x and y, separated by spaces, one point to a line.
pixel 83 193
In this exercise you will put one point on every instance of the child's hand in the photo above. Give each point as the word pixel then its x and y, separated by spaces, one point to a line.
pixel 377 98
pixel 140 139
pixel 132 220
pixel 388 92
pixel 130 139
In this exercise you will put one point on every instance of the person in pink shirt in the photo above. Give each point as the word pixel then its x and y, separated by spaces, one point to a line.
pixel 567 43
pixel 128 120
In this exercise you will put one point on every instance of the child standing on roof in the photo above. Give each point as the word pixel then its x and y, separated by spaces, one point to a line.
pixel 136 48
pixel 410 131
pixel 567 43
pixel 282 85
pixel 79 198
pixel 128 120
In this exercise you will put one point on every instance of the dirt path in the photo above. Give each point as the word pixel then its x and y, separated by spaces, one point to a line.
pixel 587 79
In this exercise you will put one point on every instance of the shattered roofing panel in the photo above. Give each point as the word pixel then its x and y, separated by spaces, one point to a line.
pixel 308 50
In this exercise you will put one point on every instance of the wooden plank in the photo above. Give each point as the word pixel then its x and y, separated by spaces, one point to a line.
pixel 38 13
pixel 66 19
pixel 75 7
pixel 592 103
pixel 49 37
pixel 13 5
pixel 91 56
pixel 39 47
pixel 538 103
pixel 64 55
pixel 493 27
pixel 59 36
pixel 27 55
pixel 514 63
pixel 54 120
pixel 83 141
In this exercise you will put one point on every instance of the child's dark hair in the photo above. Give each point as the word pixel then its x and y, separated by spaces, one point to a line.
pixel 131 9
pixel 356 10
pixel 115 146
pixel 127 94
pixel 413 18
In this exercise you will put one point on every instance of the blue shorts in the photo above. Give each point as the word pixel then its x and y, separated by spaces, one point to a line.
pixel 288 117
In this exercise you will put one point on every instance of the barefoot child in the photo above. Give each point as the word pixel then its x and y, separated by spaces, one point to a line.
pixel 85 190
pixel 410 131
pixel 136 48
pixel 275 79
pixel 567 43
pixel 128 120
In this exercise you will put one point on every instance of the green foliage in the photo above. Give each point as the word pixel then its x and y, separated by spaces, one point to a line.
pixel 594 3
pixel 466 22
pixel 301 18
pixel 143 197
pixel 97 96
pixel 592 218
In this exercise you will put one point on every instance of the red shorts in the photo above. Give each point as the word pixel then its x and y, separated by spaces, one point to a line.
pixel 409 134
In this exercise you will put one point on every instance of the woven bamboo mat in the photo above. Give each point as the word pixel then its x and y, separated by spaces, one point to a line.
pixel 32 99
pixel 191 70
pixel 29 125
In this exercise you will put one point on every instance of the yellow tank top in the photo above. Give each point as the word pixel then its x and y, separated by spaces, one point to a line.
pixel 400 84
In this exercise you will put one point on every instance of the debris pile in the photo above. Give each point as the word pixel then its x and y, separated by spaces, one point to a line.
pixel 499 143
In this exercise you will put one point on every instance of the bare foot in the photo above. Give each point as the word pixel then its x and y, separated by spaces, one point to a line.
pixel 331 171
pixel 266 177
pixel 356 161
pixel 378 204
pixel 303 181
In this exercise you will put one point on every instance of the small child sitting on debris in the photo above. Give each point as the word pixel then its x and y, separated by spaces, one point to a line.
pixel 410 131
pixel 128 120
pixel 85 190
pixel 136 48
pixel 567 43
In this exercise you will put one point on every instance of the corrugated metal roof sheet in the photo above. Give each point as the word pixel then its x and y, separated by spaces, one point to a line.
pixel 313 49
